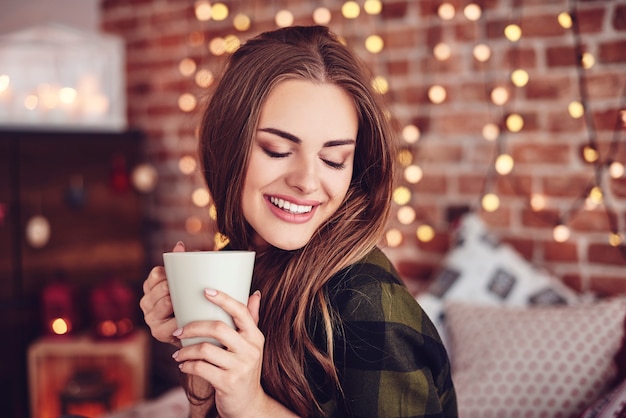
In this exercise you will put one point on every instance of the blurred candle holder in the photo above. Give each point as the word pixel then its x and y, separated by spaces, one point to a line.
pixel 58 309
pixel 55 76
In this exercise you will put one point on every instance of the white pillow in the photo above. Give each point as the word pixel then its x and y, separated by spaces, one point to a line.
pixel 480 269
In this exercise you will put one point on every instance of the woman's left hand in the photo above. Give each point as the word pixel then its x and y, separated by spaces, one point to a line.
pixel 235 369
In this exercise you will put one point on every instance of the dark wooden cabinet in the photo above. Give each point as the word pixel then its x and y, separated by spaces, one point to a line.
pixel 81 183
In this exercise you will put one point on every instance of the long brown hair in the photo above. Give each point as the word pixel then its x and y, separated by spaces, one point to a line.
pixel 292 282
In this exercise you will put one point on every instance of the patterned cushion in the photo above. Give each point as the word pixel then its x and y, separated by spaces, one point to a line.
pixel 611 405
pixel 544 361
pixel 481 269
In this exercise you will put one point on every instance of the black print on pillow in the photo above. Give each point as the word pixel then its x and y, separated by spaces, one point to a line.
pixel 546 296
pixel 501 283
pixel 490 240
pixel 444 282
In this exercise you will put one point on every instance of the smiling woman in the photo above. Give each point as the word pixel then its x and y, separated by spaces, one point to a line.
pixel 298 156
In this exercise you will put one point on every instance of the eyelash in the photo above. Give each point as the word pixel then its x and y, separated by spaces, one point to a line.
pixel 333 165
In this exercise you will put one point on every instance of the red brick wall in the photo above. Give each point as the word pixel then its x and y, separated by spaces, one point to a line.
pixel 455 158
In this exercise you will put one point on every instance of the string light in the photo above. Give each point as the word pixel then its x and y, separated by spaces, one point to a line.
pixel 514 122
pixel 499 96
pixel 406 215
pixel 241 22
pixel 393 237
pixel 187 67
pixel 442 51
pixel 231 43
pixel 519 77
pixel 219 11
pixel 402 195
pixel 513 32
pixel 446 11
pixel 204 78
pixel 561 233
pixel 4 83
pixel 482 52
pixel 187 164
pixel 374 44
pixel 350 10
pixel 587 60
pixel 322 16
pixel 284 18
pixel 565 20
pixel 405 157
pixel 187 102
pixel 413 174
pixel 200 197
pixel 437 94
pixel 537 202
pixel 616 170
pixel 504 164
pixel 193 225
pixel 373 7
pixel 217 46
pixel 410 134
pixel 202 9
pixel 380 84
pixel 491 131
pixel 590 154
pixel 576 109
pixel 425 233
pixel 490 202
pixel 615 239
pixel 472 11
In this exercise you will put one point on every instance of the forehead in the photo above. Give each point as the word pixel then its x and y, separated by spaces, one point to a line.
pixel 302 106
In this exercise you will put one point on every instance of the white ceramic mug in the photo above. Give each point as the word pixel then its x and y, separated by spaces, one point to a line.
pixel 190 273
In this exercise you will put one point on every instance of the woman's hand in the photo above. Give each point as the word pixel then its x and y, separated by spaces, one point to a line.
pixel 235 369
pixel 156 304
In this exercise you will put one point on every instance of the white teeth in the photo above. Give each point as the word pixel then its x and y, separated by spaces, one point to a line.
pixel 290 207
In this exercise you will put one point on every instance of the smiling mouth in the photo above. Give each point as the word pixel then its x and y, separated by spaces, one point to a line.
pixel 290 207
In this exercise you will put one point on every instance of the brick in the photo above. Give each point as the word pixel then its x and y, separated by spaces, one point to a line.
pixel 545 218
pixel 606 254
pixel 619 17
pixel 612 52
pixel 431 184
pixel 544 26
pixel 560 251
pixel 603 85
pixel 524 247
pixel 395 10
pixel 550 87
pixel 574 281
pixel 520 57
pixel 466 32
pixel 592 220
pixel 570 185
pixel 590 20
pixel 618 187
pixel 608 285
pixel 527 153
pixel 560 121
pixel 471 184
pixel 561 56
pixel 514 184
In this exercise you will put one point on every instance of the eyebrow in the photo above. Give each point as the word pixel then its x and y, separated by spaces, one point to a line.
pixel 295 139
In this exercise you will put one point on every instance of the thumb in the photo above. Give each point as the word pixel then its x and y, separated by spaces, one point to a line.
pixel 179 247
pixel 254 304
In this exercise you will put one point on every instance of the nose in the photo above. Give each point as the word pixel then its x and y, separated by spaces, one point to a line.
pixel 303 176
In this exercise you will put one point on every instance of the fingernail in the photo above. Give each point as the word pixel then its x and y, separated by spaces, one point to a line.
pixel 175 354
pixel 210 292
pixel 181 244
pixel 178 332
pixel 257 292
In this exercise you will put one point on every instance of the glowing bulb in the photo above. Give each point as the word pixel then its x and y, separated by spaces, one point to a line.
pixel 596 194
pixel 565 20
pixel 200 197
pixel 425 233
pixel 241 22
pixel 187 164
pixel 411 134
pixel 472 12
pixel 31 101
pixel 187 66
pixel 204 78
pixel 622 114
pixel 446 11
pixel 576 109
pixel 437 94
pixel 217 46
pixel 499 96
pixel 196 38
pixel 193 225
pixel 373 7
pixel 350 10
pixel 616 170
pixel 442 51
pixel 590 154
pixel 406 215
pixel 219 11
pixel 67 95
pixel 561 233
pixel 504 164
pixel 393 238
pixel 322 16
pixel 490 202
pixel 514 122
pixel 202 9
pixel 231 43
pixel 4 82
pixel 283 18
pixel 144 178
pixel 537 202
pixel 60 326
pixel 413 174
pixel 187 102
pixel 615 239
pixel 405 157
pixel 513 32
pixel 587 60
pixel 374 44
pixel 380 84
pixel 482 52
pixel 519 77
pixel 491 131
pixel 401 195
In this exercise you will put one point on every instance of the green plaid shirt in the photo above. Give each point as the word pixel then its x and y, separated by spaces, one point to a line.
pixel 389 356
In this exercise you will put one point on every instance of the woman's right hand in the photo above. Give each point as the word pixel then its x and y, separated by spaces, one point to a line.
pixel 156 304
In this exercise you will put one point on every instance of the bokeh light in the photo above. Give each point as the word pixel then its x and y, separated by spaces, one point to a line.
pixel 491 131
pixel 373 7
pixel 482 52
pixel 413 174
pixel 520 77
pixel 187 164
pixel 322 16
pixel 241 22
pixel 514 122
pixel 490 202
pixel 393 237
pixel 187 102
pixel 406 215
pixel 437 94
pixel 561 233
pixel 446 11
pixel 350 10
pixel 219 11
pixel 283 18
pixel 504 164
pixel 425 233
pixel 513 32
pixel 401 195
pixel 472 11
pixel 442 51
pixel 374 44
pixel 187 67
pixel 410 134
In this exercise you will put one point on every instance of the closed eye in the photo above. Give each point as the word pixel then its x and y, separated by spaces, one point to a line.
pixel 336 166
pixel 273 154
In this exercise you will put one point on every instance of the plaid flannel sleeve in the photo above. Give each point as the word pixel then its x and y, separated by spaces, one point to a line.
pixel 391 360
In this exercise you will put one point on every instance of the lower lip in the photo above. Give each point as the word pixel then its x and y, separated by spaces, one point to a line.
pixel 296 218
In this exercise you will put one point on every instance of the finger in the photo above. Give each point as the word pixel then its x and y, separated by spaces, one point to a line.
pixel 237 310
pixel 254 304
pixel 157 275
pixel 207 352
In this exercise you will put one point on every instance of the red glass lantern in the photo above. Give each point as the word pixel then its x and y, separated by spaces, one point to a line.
pixel 59 313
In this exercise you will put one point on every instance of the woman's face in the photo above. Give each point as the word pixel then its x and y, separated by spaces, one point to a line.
pixel 301 162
